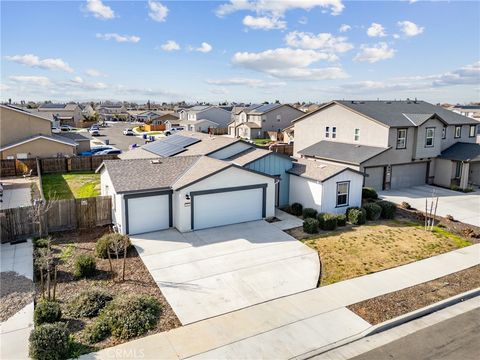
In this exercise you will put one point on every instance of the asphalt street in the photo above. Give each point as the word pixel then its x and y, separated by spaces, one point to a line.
pixel 114 133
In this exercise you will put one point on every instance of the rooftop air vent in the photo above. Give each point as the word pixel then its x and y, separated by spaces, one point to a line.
pixel 156 161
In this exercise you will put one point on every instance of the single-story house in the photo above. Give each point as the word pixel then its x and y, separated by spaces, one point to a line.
pixel 185 192
pixel 83 142
pixel 39 146
pixel 201 125
pixel 325 187
pixel 459 165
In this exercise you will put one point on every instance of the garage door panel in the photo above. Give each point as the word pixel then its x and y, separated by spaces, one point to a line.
pixel 374 178
pixel 224 208
pixel 149 213
pixel 408 175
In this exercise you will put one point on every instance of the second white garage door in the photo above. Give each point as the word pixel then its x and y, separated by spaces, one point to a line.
pixel 228 207
pixel 148 213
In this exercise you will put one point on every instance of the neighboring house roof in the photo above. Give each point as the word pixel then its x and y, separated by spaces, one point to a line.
pixel 419 119
pixel 204 167
pixel 208 144
pixel 58 107
pixel 467 107
pixel 27 112
pixel 195 122
pixel 250 125
pixel 250 155
pixel 137 153
pixel 56 138
pixel 74 136
pixel 468 152
pixel 262 109
pixel 198 108
pixel 343 152
pixel 317 170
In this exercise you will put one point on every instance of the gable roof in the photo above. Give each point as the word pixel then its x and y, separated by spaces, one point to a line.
pixel 26 112
pixel 468 152
pixel 317 170
pixel 342 152
pixel 262 109
pixel 56 138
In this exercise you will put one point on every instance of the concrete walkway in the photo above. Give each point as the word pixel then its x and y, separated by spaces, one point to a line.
pixel 464 207
pixel 14 332
pixel 293 325
pixel 15 195
pixel 211 272
pixel 287 221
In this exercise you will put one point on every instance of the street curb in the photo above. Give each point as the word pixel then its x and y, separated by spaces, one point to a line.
pixel 375 329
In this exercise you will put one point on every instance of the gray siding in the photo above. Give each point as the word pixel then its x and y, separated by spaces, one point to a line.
pixel 421 151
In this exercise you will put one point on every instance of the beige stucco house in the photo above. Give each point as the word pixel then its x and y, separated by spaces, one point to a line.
pixel 65 114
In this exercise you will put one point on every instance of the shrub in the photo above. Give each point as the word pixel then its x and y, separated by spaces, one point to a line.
pixel 309 213
pixel 405 205
pixel 329 222
pixel 50 342
pixel 369 193
pixel 320 218
pixel 388 209
pixel 347 212
pixel 97 330
pixel 310 226
pixel 449 217
pixel 129 316
pixel 88 303
pixel 85 266
pixel 297 209
pixel 357 216
pixel 341 220
pixel 373 211
pixel 102 244
pixel 47 312
pixel 41 243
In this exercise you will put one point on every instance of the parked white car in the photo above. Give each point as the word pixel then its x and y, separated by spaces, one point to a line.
pixel 56 130
pixel 112 151
pixel 173 130
pixel 94 132
pixel 66 128
pixel 128 132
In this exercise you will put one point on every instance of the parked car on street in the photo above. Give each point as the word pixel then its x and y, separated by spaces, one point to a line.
pixel 94 132
pixel 95 150
pixel 112 151
pixel 95 126
pixel 66 128
pixel 56 130
pixel 173 130
pixel 128 132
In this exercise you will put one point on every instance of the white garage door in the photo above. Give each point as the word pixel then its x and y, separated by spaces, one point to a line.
pixel 149 213
pixel 408 175
pixel 224 208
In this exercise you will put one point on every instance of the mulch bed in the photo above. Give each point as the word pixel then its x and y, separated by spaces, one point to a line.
pixel 138 280
pixel 389 306
pixel 16 291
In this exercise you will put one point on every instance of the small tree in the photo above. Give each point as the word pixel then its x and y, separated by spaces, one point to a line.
pixel 117 245
pixel 45 261
pixel 38 212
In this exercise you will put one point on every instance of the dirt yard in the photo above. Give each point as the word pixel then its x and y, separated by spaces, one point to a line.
pixel 358 250
pixel 67 246
pixel 389 306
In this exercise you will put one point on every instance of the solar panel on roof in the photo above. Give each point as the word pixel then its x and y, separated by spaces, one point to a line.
pixel 179 140
pixel 163 148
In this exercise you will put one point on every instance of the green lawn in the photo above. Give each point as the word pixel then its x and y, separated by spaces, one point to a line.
pixel 71 186
pixel 262 142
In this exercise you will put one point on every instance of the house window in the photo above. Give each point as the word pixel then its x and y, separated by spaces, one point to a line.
pixel 342 193
pixel 279 117
pixel 458 132
pixel 334 132
pixel 401 138
pixel 357 134
pixel 429 135
pixel 444 132
pixel 458 170
pixel 472 131
pixel 327 131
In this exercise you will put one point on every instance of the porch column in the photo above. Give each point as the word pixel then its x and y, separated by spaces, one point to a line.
pixel 464 176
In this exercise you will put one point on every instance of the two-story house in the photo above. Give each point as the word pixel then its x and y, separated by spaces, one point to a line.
pixel 26 135
pixel 254 121
pixel 394 143
pixel 65 114
pixel 112 112
pixel 214 114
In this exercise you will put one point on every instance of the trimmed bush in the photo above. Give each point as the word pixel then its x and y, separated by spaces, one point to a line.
pixel 310 226
pixel 357 216
pixel 85 266
pixel 97 330
pixel 388 209
pixel 369 193
pixel 50 342
pixel 341 220
pixel 405 205
pixel 102 244
pixel 329 222
pixel 88 303
pixel 373 211
pixel 47 312
pixel 128 316
pixel 41 243
pixel 297 209
pixel 347 212
pixel 309 213
pixel 320 218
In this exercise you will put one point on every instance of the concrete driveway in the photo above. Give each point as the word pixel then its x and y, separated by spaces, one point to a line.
pixel 210 272
pixel 464 207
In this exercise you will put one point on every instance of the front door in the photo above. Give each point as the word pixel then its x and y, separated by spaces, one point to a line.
pixel 387 177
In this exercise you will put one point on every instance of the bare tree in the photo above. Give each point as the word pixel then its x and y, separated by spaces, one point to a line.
pixel 44 259
pixel 38 213
pixel 117 245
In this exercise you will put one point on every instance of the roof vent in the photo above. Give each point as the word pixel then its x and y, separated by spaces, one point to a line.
pixel 323 166
pixel 156 161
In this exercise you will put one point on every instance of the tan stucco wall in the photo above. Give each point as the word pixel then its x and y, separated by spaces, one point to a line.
pixel 16 125
pixel 40 148
pixel 83 146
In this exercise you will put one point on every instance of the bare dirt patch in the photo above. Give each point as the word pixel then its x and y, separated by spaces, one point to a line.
pixel 15 293
pixel 389 306
pixel 67 246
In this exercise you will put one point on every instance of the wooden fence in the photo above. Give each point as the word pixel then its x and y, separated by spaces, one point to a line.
pixel 71 214
pixel 282 149
pixel 52 165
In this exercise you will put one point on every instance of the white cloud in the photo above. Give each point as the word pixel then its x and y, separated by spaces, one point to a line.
pixel 94 73
pixel 157 11
pixel 119 38
pixel 204 47
pixel 374 53
pixel 31 60
pixel 264 22
pixel 250 82
pixel 376 30
pixel 170 45
pixel 469 74
pixel 42 81
pixel 409 28
pixel 321 41
pixel 4 87
pixel 219 91
pixel 344 28
pixel 77 80
pixel 100 10
pixel 328 73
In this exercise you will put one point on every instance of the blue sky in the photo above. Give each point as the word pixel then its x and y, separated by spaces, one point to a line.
pixel 290 50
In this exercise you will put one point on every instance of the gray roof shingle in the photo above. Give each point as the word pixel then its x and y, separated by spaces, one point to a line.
pixel 316 170
pixel 348 153
pixel 460 151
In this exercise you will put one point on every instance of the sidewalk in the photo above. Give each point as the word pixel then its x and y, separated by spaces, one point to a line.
pixel 292 325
